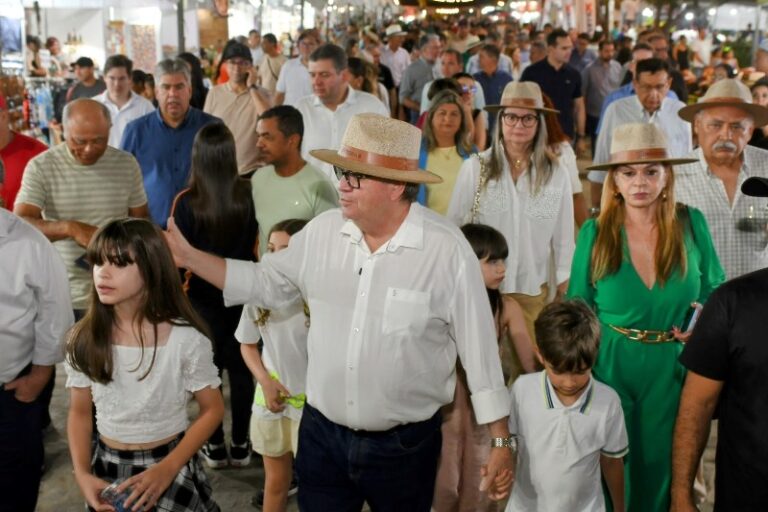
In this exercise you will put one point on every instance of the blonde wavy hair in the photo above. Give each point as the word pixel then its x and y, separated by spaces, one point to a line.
pixel 608 251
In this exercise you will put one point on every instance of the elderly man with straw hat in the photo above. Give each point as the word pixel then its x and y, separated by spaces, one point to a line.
pixel 723 121
pixel 395 293
pixel 641 265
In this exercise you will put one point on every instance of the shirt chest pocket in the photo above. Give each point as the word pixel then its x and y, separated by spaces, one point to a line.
pixel 406 312
pixel 544 205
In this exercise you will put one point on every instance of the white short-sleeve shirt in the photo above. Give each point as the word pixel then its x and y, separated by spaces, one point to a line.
pixel 130 410
pixel 285 349
pixel 294 81
pixel 559 447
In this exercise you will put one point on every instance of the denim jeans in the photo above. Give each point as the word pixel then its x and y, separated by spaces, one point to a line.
pixel 339 468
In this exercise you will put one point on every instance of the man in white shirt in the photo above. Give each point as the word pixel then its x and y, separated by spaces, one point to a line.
pixel 254 44
pixel 702 51
pixel 124 105
pixel 35 314
pixel 395 293
pixel 392 55
pixel 294 82
pixel 505 61
pixel 723 120
pixel 650 105
pixel 333 103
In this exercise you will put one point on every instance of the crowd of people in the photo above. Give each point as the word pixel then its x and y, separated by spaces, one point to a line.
pixel 385 243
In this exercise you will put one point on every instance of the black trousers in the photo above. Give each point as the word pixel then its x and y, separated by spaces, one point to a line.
pixel 21 452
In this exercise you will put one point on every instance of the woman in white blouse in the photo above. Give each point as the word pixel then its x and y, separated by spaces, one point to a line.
pixel 521 187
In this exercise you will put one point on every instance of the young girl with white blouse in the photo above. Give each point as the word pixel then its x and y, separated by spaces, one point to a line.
pixel 281 373
pixel 138 356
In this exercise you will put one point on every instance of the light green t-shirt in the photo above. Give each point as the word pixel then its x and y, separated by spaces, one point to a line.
pixel 301 196
pixel 94 194
pixel 445 162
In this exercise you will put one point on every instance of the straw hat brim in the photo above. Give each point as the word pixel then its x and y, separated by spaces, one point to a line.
pixel 669 161
pixel 758 113
pixel 495 108
pixel 474 44
pixel 332 157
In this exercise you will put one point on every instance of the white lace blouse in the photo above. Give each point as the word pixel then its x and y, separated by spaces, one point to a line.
pixel 132 411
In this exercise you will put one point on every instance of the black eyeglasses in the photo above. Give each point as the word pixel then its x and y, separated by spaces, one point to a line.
pixel 527 120
pixel 353 178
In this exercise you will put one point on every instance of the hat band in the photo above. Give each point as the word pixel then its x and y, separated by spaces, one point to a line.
pixel 520 102
pixel 633 155
pixel 725 99
pixel 390 162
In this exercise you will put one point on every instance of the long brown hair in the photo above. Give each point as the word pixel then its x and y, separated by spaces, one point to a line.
pixel 125 242
pixel 219 199
pixel 608 251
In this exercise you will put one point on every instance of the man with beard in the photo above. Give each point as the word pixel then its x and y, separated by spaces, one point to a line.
pixel 162 140
pixel 723 121
pixel 238 103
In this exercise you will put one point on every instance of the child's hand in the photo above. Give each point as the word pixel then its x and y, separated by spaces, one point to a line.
pixel 274 395
pixel 91 487
pixel 497 474
pixel 148 486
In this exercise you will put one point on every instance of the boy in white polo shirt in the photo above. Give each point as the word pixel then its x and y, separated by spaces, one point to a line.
pixel 568 426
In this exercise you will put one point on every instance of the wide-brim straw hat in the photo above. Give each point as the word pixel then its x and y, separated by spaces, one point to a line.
pixel 728 92
pixel 381 147
pixel 521 95
pixel 473 42
pixel 394 30
pixel 639 143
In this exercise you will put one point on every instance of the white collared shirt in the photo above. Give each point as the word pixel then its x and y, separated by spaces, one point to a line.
pixel 385 326
pixel 738 230
pixel 35 309
pixel 559 447
pixel 294 81
pixel 324 128
pixel 397 62
pixel 136 107
pixel 630 110
pixel 534 225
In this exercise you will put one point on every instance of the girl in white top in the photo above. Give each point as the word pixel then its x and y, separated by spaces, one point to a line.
pixel 520 187
pixel 281 372
pixel 138 356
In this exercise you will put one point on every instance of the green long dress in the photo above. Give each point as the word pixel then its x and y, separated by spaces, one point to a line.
pixel 647 377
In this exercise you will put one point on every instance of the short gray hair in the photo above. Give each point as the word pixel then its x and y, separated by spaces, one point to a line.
pixel 175 66
pixel 427 38
pixel 68 109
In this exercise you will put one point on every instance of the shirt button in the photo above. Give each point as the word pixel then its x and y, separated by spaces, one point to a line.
pixel 356 329
pixel 362 294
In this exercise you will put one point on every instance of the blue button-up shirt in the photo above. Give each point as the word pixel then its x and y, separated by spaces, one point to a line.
pixel 165 156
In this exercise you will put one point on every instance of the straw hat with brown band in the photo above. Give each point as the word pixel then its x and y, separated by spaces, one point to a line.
pixel 521 95
pixel 639 143
pixel 381 147
pixel 727 93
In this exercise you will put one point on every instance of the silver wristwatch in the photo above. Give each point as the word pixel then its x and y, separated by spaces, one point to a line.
pixel 504 442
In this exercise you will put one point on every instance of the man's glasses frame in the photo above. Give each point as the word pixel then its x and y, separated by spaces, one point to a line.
pixel 353 178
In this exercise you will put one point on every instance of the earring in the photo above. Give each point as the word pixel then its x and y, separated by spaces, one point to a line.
pixel 664 195
pixel 616 195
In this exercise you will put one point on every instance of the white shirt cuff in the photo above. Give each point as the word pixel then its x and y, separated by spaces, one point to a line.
pixel 491 405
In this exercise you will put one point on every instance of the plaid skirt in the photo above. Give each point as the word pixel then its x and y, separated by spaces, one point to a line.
pixel 189 492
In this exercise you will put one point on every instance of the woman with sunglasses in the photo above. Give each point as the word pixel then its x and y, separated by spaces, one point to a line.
pixel 521 188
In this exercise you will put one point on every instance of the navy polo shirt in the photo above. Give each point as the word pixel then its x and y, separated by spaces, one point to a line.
pixel 164 155
pixel 493 87
pixel 562 86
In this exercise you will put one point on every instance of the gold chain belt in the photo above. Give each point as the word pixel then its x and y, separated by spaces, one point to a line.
pixel 645 335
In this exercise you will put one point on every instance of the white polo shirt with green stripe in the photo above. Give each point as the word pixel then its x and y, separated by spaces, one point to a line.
pixel 94 194
pixel 559 446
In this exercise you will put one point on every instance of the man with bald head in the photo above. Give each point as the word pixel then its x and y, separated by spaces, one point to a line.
pixel 723 121
pixel 70 190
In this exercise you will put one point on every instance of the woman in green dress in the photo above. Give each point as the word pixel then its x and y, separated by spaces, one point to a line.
pixel 641 265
